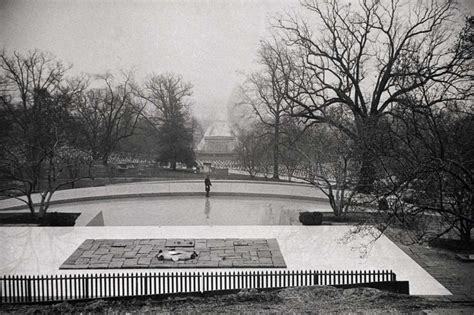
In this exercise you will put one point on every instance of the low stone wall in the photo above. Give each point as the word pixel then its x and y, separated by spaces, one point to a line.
pixel 178 188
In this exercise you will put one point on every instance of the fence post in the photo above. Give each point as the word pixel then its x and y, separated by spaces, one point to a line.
pixel 22 289
pixel 28 290
pixel 200 282
pixel 160 283
pixel 86 286
pixel 77 286
pixel 33 288
pixel 114 285
pixel 153 284
pixel 122 287
pixel 110 285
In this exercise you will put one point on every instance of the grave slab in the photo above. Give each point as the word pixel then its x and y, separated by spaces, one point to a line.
pixel 145 253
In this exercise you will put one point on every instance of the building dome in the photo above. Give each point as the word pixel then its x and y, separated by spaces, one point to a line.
pixel 218 139
pixel 218 142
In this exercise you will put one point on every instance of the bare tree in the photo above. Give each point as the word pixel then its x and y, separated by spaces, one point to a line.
pixel 329 163
pixel 291 140
pixel 356 61
pixel 36 150
pixel 168 96
pixel 251 151
pixel 264 92
pixel 429 185
pixel 107 115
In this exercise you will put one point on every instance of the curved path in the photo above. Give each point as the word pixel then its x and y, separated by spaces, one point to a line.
pixel 179 188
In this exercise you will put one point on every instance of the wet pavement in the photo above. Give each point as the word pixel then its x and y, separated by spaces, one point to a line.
pixel 179 189
pixel 190 210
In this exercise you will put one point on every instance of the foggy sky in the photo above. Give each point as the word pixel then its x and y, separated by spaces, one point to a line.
pixel 208 42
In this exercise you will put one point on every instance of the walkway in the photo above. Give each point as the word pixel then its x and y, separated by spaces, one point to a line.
pixel 179 188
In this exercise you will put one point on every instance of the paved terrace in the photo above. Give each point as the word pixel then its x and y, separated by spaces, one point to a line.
pixel 42 250
pixel 179 188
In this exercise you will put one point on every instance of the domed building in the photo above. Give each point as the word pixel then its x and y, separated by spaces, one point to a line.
pixel 217 144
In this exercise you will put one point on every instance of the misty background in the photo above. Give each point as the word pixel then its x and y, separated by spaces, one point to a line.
pixel 210 43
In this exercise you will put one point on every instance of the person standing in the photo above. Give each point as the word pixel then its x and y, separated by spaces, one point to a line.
pixel 207 184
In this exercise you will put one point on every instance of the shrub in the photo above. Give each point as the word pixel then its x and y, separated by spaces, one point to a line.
pixel 311 218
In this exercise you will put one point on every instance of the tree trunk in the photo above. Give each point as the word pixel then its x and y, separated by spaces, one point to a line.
pixel 465 231
pixel 368 137
pixel 105 160
pixel 276 151
pixel 366 174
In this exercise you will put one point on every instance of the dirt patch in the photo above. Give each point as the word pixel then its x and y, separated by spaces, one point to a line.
pixel 322 300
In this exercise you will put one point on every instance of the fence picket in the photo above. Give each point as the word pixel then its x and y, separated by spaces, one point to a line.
pixel 7 279
pixel 22 288
pixel 15 293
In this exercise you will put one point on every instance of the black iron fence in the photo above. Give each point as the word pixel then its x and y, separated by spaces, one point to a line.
pixel 25 289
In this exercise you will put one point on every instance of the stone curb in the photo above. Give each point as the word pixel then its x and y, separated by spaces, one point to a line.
pixel 170 194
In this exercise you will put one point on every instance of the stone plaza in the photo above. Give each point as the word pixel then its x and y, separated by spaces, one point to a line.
pixel 144 253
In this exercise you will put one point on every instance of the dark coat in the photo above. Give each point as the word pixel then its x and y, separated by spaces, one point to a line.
pixel 207 183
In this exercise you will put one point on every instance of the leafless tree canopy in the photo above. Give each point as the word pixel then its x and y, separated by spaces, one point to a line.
pixel 35 150
pixel 371 56
pixel 108 114
pixel 168 95
pixel 348 65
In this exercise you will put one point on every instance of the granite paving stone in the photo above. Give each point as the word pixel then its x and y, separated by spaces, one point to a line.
pixel 145 249
pixel 130 254
pixel 204 258
pixel 264 253
pixel 86 254
pixel 85 266
pixel 82 261
pixel 116 264
pixel 225 263
pixel 144 261
pixel 116 250
pixel 98 266
pixel 143 253
pixel 106 258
